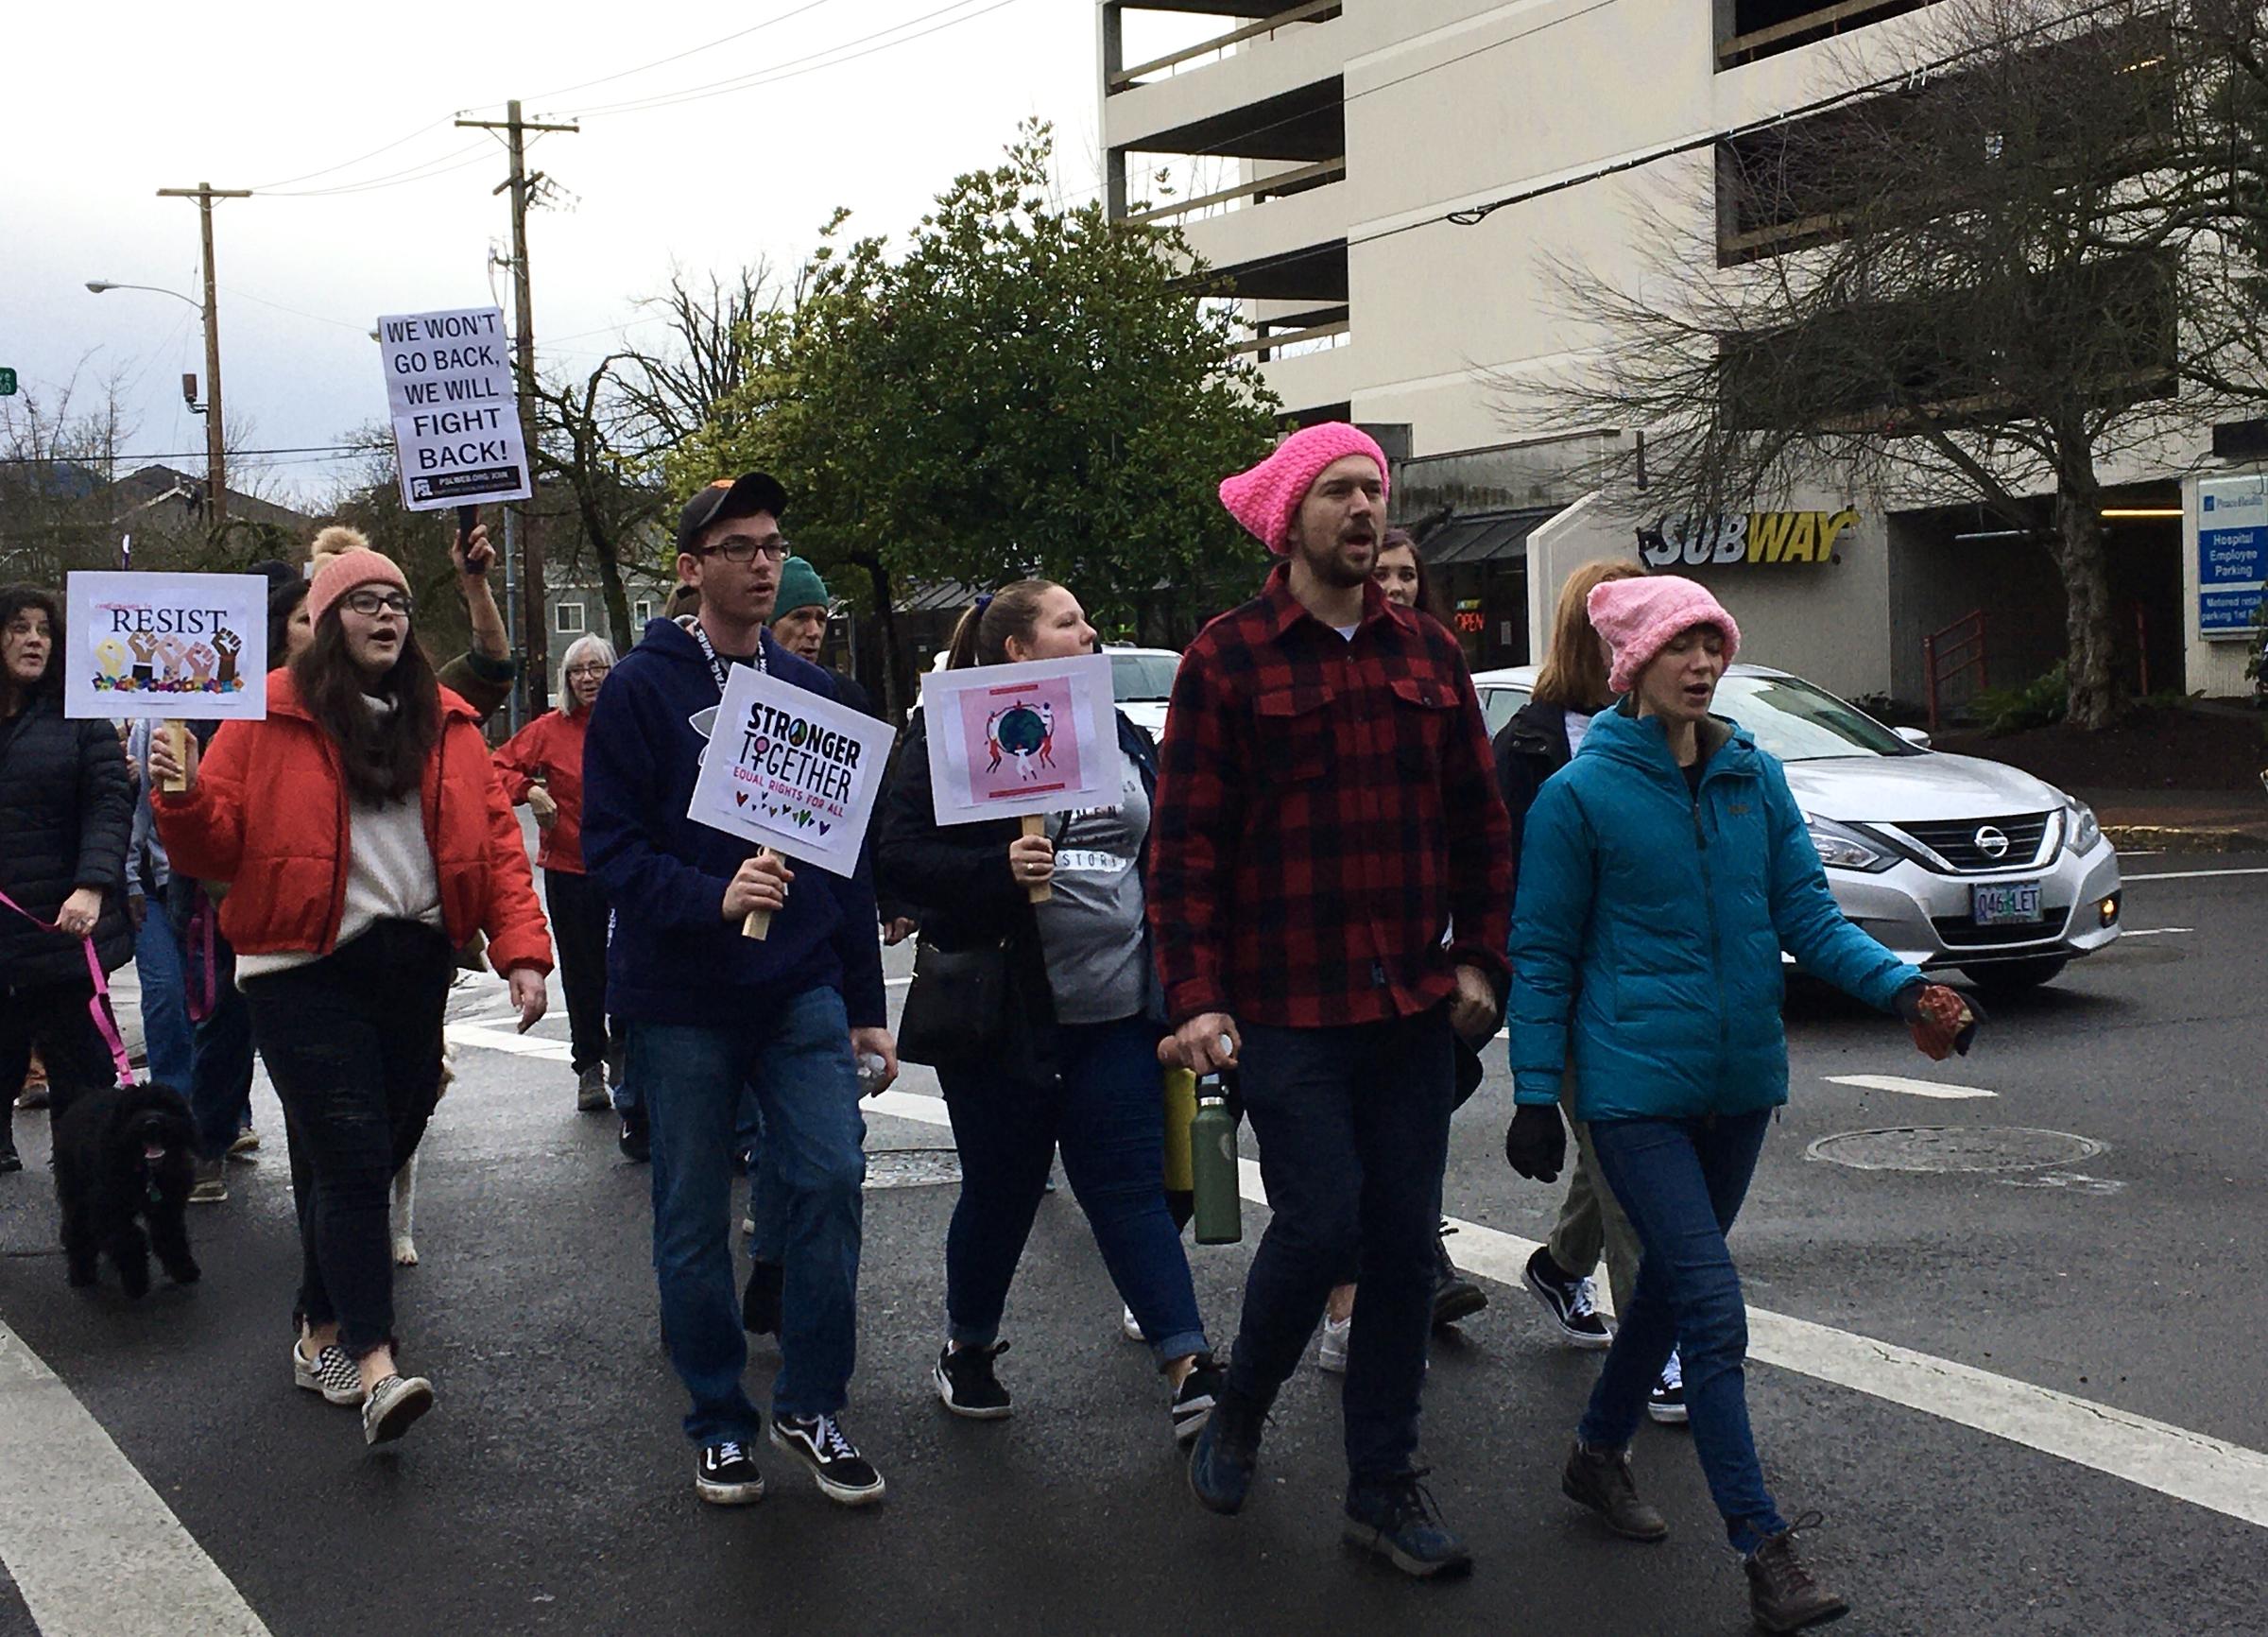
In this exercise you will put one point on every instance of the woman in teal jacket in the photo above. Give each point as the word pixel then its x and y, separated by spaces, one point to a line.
pixel 1662 872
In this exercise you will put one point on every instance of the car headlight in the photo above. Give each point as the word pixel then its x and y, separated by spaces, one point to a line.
pixel 2081 830
pixel 1842 848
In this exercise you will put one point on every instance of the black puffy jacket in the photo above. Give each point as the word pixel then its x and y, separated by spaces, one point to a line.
pixel 66 813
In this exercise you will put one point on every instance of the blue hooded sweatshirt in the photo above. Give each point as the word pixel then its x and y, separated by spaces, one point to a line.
pixel 1646 948
pixel 673 956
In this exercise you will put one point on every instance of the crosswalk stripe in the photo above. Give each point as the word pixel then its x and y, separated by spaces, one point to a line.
pixel 1910 1088
pixel 91 1547
pixel 2189 1466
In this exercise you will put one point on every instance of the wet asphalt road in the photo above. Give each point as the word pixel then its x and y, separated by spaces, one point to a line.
pixel 549 1493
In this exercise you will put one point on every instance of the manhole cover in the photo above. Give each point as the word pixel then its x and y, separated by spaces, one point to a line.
pixel 912 1167
pixel 1954 1148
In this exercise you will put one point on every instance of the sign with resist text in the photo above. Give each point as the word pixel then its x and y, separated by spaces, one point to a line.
pixel 2232 553
pixel 1009 740
pixel 188 647
pixel 790 770
pixel 457 421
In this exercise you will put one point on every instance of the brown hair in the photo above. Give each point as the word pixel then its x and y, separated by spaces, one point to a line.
pixel 1396 540
pixel 382 755
pixel 1574 668
pixel 982 637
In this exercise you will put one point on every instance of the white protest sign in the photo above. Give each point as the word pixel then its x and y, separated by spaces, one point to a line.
pixel 791 770
pixel 456 421
pixel 186 647
pixel 1006 741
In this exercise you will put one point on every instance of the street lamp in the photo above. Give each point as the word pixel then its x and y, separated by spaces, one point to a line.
pixel 216 458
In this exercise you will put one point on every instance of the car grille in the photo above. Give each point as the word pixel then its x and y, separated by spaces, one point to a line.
pixel 1955 840
pixel 1958 932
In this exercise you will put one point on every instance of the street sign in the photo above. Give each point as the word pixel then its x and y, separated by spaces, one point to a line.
pixel 7 383
pixel 2232 553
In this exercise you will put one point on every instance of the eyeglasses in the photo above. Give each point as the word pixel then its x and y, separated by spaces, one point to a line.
pixel 741 549
pixel 370 603
pixel 593 669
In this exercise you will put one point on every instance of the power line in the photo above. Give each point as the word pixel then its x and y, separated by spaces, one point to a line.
pixel 793 69
pixel 348 163
pixel 459 159
pixel 678 56
pixel 185 454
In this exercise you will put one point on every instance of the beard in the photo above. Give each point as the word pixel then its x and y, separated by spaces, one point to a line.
pixel 1342 564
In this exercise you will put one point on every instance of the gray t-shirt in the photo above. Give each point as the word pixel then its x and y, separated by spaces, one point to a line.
pixel 1091 929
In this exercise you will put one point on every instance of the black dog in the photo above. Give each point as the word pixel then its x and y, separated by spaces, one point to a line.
pixel 123 1155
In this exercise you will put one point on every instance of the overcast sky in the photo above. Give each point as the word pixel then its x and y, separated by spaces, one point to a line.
pixel 109 100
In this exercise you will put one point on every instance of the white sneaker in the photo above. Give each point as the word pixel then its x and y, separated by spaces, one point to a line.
pixel 1128 1327
pixel 330 1372
pixel 1331 1353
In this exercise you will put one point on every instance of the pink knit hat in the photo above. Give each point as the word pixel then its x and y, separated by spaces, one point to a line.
pixel 346 571
pixel 1638 617
pixel 1266 498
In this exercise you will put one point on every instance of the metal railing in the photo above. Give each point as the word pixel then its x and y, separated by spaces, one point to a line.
pixel 1312 12
pixel 1947 654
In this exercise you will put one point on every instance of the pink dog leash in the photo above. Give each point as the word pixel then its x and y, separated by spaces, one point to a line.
pixel 99 1007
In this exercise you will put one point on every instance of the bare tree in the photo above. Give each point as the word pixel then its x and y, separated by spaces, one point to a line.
pixel 58 457
pixel 1992 276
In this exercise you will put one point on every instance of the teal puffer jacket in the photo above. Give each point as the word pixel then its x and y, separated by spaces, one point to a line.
pixel 1646 948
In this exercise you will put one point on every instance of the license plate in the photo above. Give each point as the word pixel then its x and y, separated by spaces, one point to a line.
pixel 2007 904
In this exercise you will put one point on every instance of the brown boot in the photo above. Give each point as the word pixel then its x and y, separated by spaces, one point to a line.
pixel 1601 1480
pixel 1782 1595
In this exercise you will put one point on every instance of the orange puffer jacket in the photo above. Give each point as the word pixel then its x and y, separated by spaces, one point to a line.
pixel 268 815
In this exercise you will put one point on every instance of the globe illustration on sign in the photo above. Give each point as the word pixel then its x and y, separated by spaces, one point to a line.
pixel 1025 734
pixel 1021 731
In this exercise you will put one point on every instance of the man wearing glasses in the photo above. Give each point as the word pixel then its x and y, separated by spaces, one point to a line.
pixel 708 1011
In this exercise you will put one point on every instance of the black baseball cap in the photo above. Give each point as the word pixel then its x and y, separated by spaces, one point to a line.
pixel 729 497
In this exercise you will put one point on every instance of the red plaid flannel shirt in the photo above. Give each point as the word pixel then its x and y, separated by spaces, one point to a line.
pixel 1327 810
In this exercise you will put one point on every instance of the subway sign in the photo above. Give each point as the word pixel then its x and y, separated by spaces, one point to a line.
pixel 1760 538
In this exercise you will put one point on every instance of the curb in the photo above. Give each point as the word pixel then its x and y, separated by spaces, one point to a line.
pixel 2183 839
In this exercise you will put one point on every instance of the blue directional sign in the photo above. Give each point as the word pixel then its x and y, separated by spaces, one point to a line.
pixel 2232 553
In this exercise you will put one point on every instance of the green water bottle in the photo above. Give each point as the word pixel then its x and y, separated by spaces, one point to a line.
pixel 1220 1214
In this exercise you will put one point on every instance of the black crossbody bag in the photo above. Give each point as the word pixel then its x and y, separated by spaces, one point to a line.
pixel 956 1011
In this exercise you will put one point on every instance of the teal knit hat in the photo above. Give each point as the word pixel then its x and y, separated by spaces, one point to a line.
pixel 800 587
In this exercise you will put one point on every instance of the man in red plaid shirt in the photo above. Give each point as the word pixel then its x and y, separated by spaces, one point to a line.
pixel 1331 890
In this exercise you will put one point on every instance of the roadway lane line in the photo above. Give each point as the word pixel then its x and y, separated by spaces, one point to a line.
pixel 1910 1088
pixel 501 1040
pixel 2189 1466
pixel 2191 874
pixel 89 1545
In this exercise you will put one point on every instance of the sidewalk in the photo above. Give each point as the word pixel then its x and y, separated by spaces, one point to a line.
pixel 2183 820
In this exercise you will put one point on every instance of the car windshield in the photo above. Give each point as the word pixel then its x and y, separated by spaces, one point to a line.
pixel 1498 705
pixel 1796 722
pixel 1139 677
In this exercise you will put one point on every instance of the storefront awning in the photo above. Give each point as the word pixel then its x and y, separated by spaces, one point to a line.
pixel 1485 537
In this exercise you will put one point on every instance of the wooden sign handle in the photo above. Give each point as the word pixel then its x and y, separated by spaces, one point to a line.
pixel 758 923
pixel 1036 824
pixel 176 738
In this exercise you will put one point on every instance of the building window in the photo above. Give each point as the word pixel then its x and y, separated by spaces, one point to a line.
pixel 644 610
pixel 1749 29
pixel 569 618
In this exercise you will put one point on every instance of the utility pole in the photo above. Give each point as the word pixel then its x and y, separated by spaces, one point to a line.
pixel 216 470
pixel 532 633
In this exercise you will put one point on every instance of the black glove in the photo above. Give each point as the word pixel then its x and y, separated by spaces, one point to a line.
pixel 1535 1141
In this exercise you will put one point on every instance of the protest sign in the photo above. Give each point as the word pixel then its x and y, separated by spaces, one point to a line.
pixel 456 421
pixel 791 770
pixel 180 646
pixel 1010 741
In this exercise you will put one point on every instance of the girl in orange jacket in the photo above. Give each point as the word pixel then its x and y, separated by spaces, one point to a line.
pixel 365 836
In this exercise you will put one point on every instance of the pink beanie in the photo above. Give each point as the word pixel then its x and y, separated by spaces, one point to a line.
pixel 1266 498
pixel 1638 617
pixel 346 571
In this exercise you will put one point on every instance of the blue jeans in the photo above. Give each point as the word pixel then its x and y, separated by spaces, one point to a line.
pixel 767 1199
pixel 1107 1112
pixel 797 1057
pixel 1681 1184
pixel 1352 1124
pixel 165 1031
pixel 220 1087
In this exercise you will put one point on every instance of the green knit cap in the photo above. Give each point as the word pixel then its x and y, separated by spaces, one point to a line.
pixel 800 587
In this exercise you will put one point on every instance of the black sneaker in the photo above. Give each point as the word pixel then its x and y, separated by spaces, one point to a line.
pixel 1568 1300
pixel 1456 1297
pixel 818 1441
pixel 726 1476
pixel 10 1159
pixel 1194 1398
pixel 966 1384
pixel 1227 1450
pixel 1397 1518
pixel 393 1407
pixel 1666 1403
pixel 635 1141
pixel 760 1302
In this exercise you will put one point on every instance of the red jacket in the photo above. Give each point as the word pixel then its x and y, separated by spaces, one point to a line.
pixel 268 815
pixel 550 748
